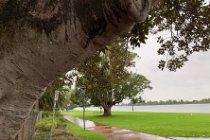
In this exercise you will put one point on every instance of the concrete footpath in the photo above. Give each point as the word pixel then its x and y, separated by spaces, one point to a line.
pixel 114 133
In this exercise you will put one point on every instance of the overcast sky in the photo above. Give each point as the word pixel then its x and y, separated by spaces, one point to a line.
pixel 188 83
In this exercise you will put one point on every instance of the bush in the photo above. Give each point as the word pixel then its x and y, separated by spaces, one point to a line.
pixel 46 114
pixel 46 124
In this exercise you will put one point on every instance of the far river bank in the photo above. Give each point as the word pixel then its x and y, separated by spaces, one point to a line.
pixel 179 108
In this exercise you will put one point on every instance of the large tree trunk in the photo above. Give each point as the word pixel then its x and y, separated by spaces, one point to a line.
pixel 28 128
pixel 107 111
pixel 41 40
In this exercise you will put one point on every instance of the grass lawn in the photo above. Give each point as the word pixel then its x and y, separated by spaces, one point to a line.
pixel 80 132
pixel 163 124
pixel 45 125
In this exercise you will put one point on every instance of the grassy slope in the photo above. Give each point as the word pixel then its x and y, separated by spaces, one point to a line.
pixel 163 124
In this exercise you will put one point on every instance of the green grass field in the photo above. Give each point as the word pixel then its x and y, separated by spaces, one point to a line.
pixel 163 124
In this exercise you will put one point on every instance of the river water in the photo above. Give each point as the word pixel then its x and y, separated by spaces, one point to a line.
pixel 181 108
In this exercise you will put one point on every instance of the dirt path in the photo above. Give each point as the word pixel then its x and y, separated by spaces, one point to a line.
pixel 112 132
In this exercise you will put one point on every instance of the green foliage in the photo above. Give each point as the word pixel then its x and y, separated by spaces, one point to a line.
pixel 45 135
pixel 203 101
pixel 45 124
pixel 163 124
pixel 41 136
pixel 68 99
pixel 137 100
pixel 60 121
pixel 78 98
pixel 104 78
pixel 43 127
pixel 47 114
pixel 187 23
pixel 46 121
pixel 46 102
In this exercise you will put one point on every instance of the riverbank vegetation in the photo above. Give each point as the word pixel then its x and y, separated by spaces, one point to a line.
pixel 169 102
pixel 163 124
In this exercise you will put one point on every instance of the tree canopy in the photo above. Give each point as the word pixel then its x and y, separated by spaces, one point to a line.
pixel 187 25
pixel 104 79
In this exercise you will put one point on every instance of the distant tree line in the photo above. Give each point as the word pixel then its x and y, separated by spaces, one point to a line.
pixel 168 102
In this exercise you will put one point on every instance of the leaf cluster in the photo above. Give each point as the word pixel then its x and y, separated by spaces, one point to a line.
pixel 187 25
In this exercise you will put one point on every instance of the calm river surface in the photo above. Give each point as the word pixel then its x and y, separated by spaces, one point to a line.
pixel 183 108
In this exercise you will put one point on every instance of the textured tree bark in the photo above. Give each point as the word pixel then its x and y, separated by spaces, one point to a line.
pixel 41 40
pixel 107 111
pixel 28 128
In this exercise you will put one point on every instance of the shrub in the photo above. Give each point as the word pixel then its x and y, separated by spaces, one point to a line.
pixel 46 124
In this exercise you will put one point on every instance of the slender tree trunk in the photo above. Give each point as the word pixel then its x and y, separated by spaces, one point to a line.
pixel 107 111
pixel 42 40
pixel 132 108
